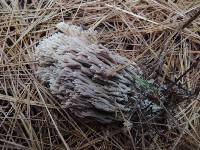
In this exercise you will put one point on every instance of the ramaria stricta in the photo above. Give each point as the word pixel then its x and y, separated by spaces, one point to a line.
pixel 89 80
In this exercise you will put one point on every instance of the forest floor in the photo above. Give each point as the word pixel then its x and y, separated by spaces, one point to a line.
pixel 161 36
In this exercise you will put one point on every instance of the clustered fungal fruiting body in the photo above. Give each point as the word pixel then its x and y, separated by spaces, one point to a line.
pixel 84 76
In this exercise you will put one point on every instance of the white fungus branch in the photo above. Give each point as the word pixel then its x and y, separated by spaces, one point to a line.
pixel 79 71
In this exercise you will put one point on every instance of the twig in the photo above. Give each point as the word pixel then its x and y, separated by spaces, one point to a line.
pixel 187 23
